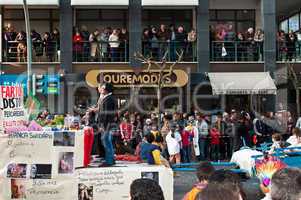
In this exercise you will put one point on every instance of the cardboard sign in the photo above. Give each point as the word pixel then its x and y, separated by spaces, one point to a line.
pixel 113 183
pixel 12 112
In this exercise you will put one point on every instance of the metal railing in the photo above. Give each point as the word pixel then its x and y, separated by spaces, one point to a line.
pixel 102 51
pixel 15 51
pixel 289 52
pixel 157 49
pixel 236 51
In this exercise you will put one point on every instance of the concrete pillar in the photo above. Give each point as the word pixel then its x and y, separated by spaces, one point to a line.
pixel 135 32
pixel 268 8
pixel 66 42
pixel 203 35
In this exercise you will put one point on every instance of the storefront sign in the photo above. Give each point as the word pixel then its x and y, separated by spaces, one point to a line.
pixel 128 78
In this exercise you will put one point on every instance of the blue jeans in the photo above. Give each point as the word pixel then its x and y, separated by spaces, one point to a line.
pixel 186 154
pixel 202 146
pixel 109 150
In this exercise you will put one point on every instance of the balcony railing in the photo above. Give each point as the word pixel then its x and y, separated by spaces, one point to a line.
pixel 236 51
pixel 15 51
pixel 220 51
pixel 100 51
pixel 289 52
pixel 156 50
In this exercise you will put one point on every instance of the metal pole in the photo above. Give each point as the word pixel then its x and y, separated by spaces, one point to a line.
pixel 29 49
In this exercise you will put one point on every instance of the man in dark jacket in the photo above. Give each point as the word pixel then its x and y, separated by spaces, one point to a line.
pixel 106 114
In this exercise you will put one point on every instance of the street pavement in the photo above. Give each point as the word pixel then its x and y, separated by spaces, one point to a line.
pixel 184 181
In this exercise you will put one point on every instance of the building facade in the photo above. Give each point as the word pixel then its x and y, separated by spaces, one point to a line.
pixel 211 44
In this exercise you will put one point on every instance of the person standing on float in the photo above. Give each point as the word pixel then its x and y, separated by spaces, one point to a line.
pixel 106 114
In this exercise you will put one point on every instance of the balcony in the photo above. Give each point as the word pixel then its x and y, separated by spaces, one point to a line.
pixel 289 52
pixel 100 51
pixel 236 51
pixel 44 51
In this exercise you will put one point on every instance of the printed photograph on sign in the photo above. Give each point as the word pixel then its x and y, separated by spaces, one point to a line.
pixel 65 139
pixel 66 163
pixel 18 189
pixel 16 170
pixel 85 192
pixel 151 175
pixel 40 171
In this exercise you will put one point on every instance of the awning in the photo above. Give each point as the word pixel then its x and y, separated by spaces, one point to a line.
pixel 100 2
pixel 242 83
pixel 170 2
pixel 30 2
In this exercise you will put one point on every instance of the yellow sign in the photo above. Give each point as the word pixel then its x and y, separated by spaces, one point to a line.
pixel 128 78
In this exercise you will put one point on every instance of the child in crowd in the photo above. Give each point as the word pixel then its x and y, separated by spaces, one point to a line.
pixel 204 171
pixel 277 143
pixel 292 140
pixel 150 152
pixel 214 142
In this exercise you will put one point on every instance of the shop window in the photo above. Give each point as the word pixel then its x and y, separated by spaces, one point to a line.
pixel 293 23
pixel 284 26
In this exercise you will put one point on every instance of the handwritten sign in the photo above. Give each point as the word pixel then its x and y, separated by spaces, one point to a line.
pixel 114 183
pixel 12 112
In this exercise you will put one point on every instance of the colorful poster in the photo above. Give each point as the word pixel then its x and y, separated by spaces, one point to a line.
pixel 12 112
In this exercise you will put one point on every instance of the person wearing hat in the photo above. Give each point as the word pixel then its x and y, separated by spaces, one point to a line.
pixel 107 110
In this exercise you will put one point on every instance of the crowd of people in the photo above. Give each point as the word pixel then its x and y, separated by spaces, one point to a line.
pixel 182 137
pixel 46 45
pixel 111 44
pixel 215 184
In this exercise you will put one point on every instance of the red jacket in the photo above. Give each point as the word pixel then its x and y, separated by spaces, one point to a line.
pixel 186 137
pixel 214 134
pixel 126 131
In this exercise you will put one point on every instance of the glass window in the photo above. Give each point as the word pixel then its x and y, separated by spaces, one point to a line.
pixel 245 14
pixel 212 15
pixel 56 14
pixel 284 26
pixel 39 14
pixel 293 23
pixel 87 14
pixel 112 14
pixel 226 14
pixel 13 14
pixel 243 26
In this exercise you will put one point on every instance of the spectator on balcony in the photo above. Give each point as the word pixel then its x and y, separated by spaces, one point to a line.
pixel 146 41
pixel 230 43
pixel 21 48
pixel 164 38
pixel 258 38
pixel 77 47
pixel 173 42
pixel 191 45
pixel 241 47
pixel 86 46
pixel 291 40
pixel 94 40
pixel 212 36
pixel 56 39
pixel 37 44
pixel 49 46
pixel 250 44
pixel 9 45
pixel 123 38
pixel 104 38
pixel 114 45
pixel 219 43
pixel 154 43
pixel 181 38
pixel 282 48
